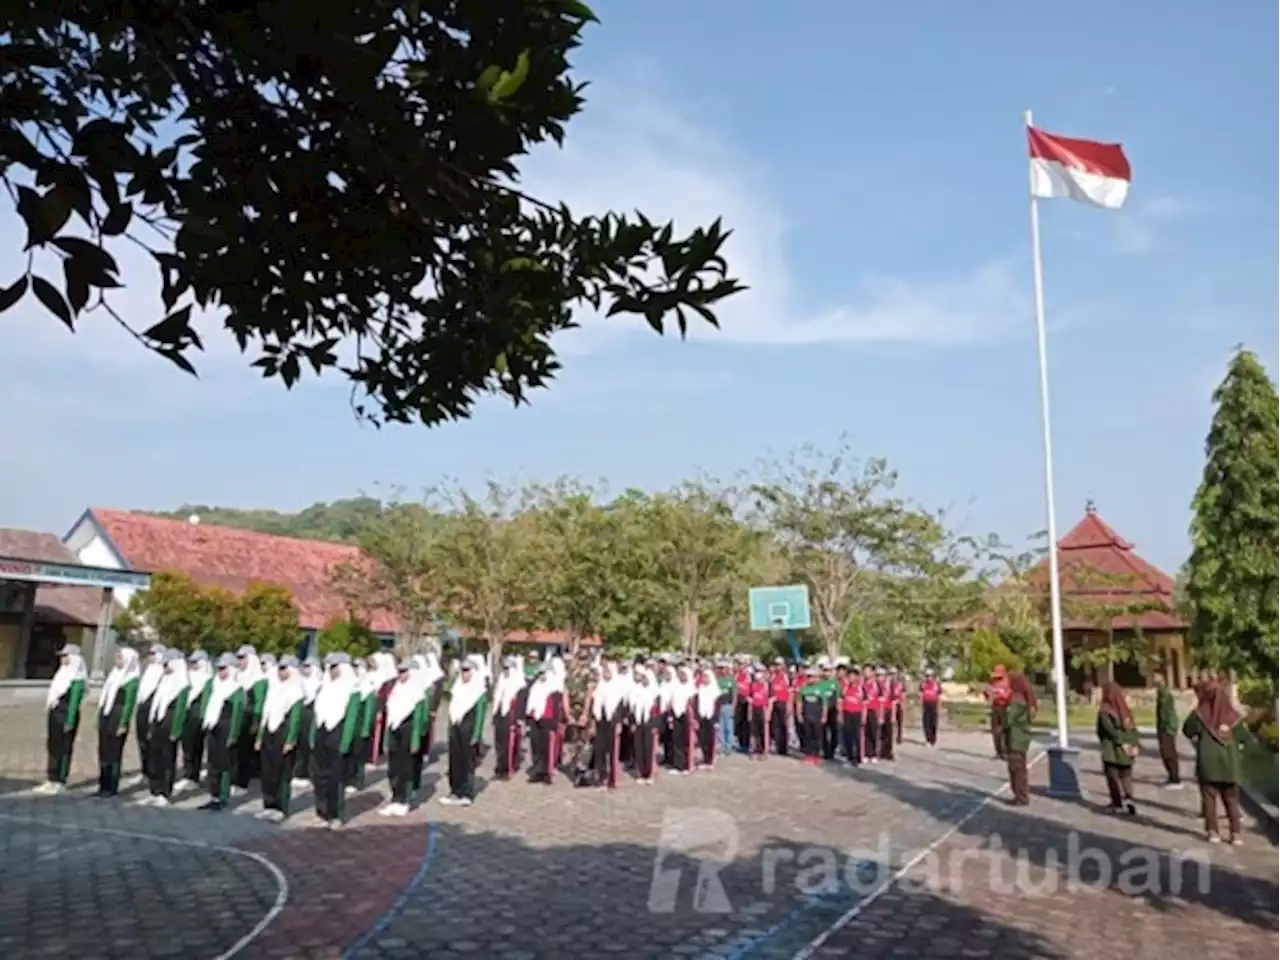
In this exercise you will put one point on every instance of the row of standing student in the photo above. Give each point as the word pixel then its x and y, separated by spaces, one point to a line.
pixel 1215 729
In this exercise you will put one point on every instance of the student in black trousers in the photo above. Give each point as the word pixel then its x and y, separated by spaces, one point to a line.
pixel 115 714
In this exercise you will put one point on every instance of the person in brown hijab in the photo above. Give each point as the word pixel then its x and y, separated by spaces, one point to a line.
pixel 1118 743
pixel 1019 710
pixel 1218 734
pixel 996 693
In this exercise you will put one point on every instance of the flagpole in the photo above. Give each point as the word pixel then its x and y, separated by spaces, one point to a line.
pixel 1055 596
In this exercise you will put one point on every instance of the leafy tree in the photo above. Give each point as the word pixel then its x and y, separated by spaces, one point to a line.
pixel 1016 606
pixel 265 617
pixel 986 652
pixel 1232 574
pixel 348 636
pixel 327 175
pixel 341 520
pixel 1111 605
pixel 482 558
pixel 849 538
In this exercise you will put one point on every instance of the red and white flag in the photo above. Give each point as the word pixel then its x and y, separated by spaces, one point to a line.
pixel 1083 170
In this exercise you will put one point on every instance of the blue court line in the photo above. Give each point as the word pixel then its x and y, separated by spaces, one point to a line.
pixel 386 919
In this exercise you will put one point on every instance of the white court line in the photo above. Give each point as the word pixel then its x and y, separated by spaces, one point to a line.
pixel 852 914
pixel 282 883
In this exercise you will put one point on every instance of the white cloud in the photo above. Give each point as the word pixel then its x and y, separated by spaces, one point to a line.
pixel 628 151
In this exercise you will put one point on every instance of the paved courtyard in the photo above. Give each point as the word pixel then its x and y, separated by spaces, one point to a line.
pixel 754 859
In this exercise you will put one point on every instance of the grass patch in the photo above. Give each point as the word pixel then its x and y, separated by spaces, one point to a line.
pixel 1078 715
pixel 1260 770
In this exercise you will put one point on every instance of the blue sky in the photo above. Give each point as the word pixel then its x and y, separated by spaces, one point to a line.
pixel 871 160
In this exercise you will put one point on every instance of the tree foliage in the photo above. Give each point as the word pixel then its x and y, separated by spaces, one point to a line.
pixel 337 180
pixel 181 614
pixel 1232 580
pixel 348 636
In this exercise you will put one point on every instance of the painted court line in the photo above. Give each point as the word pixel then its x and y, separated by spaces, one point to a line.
pixel 282 883
pixel 385 920
pixel 814 945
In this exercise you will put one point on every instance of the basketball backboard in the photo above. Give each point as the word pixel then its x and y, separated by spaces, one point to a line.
pixel 779 608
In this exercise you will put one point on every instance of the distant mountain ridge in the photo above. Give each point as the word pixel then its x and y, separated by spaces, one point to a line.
pixel 339 520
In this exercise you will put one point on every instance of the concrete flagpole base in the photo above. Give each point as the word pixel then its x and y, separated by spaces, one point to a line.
pixel 1064 773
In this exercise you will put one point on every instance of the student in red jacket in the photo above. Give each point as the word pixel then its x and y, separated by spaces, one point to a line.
pixel 930 695
pixel 760 699
pixel 997 694
pixel 898 698
pixel 870 689
pixel 780 694
pixel 741 708
pixel 850 704
pixel 886 713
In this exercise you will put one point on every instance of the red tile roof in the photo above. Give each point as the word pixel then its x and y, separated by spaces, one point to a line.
pixel 233 559
pixel 230 558
pixel 1091 552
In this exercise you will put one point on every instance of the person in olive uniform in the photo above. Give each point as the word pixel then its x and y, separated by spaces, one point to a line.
pixel 812 702
pixel 1167 731
pixel 1118 743
pixel 1018 711
pixel 1215 729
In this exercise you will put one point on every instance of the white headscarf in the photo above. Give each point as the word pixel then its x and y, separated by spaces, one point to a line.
pixel 151 674
pixel 222 689
pixel 464 694
pixel 556 674
pixel 676 694
pixel 432 674
pixel 248 675
pixel 510 683
pixel 608 696
pixel 708 695
pixel 172 683
pixel 335 693
pixel 67 674
pixel 384 667
pixel 199 675
pixel 403 699
pixel 535 704
pixel 117 678
pixel 480 664
pixel 642 697
pixel 281 696
pixel 309 677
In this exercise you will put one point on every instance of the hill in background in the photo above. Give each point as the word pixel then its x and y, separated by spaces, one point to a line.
pixel 341 520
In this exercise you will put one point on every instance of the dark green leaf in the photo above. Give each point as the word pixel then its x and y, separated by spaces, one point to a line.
pixel 97 260
pixel 509 83
pixel 173 329
pixel 76 273
pixel 53 301
pixel 117 220
pixel 13 293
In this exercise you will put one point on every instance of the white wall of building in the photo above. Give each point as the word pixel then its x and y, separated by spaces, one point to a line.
pixel 92 549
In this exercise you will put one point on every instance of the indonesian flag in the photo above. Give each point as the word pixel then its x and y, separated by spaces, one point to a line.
pixel 1085 170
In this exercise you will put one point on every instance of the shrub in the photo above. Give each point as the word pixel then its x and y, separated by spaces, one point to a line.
pixel 986 650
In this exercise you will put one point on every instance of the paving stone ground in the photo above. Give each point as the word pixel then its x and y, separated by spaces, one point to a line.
pixel 752 859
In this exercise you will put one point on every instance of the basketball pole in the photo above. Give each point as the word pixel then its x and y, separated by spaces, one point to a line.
pixel 1063 778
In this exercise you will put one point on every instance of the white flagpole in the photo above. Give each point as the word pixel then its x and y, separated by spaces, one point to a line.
pixel 1055 596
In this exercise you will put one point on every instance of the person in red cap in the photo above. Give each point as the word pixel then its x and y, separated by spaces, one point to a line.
pixel 997 694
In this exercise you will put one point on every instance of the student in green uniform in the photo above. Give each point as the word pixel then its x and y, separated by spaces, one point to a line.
pixel 812 703
pixel 278 740
pixel 168 719
pixel 1018 711
pixel 468 708
pixel 115 713
pixel 200 673
pixel 358 759
pixel 1167 731
pixel 1118 743
pixel 832 686
pixel 406 721
pixel 223 722
pixel 333 737
pixel 1218 734
pixel 62 705
pixel 253 681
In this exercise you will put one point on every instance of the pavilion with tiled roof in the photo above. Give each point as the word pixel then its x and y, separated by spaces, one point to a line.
pixel 1099 568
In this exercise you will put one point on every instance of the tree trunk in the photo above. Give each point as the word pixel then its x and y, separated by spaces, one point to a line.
pixel 495 655
pixel 689 627
pixel 1111 665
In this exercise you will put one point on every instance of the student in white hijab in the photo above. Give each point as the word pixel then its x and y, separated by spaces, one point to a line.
pixel 706 702
pixel 358 759
pixel 427 673
pixel 334 736
pixel 680 695
pixel 468 708
pixel 406 719
pixel 278 740
pixel 115 715
pixel 540 718
pixel 168 720
pixel 200 674
pixel 224 725
pixel 309 675
pixel 62 708
pixel 382 665
pixel 648 719
pixel 508 711
pixel 253 681
pixel 607 703
pixel 152 671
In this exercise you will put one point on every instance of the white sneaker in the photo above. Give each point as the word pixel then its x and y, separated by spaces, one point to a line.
pixel 399 810
pixel 55 789
pixel 349 790
pixel 1173 786
pixel 387 811
pixel 464 801
pixel 160 801
pixel 300 784
pixel 182 784
pixel 274 816
pixel 145 801
pixel 335 824
pixel 449 800
pixel 238 791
